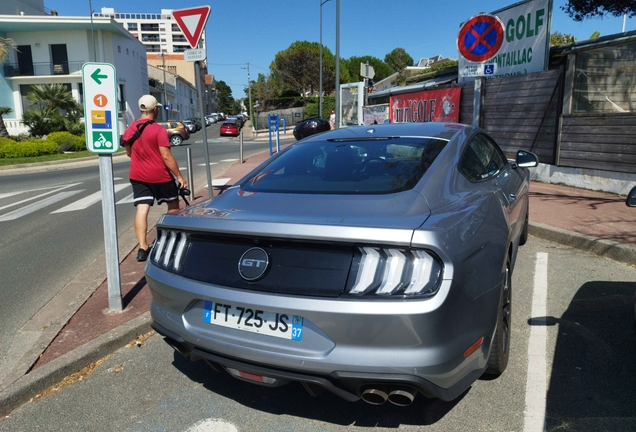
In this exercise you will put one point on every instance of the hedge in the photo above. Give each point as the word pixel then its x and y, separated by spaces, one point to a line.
pixel 66 141
pixel 34 147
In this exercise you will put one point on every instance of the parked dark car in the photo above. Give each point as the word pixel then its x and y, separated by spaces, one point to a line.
pixel 177 132
pixel 229 129
pixel 197 123
pixel 310 127
pixel 631 198
pixel 192 127
pixel 371 261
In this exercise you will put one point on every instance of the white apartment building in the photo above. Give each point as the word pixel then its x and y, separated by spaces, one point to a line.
pixel 53 49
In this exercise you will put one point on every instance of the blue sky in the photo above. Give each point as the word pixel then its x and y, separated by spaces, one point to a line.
pixel 255 30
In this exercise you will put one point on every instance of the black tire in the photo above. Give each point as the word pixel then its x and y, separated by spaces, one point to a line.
pixel 176 140
pixel 500 349
pixel 523 238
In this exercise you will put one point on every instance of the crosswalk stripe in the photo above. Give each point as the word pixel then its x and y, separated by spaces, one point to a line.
pixel 38 205
pixel 128 199
pixel 9 194
pixel 88 201
pixel 57 189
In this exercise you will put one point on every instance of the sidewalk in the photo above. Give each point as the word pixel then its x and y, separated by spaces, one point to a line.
pixel 596 222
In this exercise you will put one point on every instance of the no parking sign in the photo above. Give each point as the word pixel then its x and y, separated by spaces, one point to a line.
pixel 480 38
pixel 511 41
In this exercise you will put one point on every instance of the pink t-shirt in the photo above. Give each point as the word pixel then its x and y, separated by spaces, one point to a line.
pixel 146 162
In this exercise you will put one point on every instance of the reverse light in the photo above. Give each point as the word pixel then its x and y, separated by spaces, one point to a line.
pixel 395 272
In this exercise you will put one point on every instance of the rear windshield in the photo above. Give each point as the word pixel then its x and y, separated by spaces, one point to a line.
pixel 374 166
pixel 228 124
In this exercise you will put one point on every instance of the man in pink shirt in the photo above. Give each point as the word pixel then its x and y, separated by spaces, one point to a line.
pixel 153 169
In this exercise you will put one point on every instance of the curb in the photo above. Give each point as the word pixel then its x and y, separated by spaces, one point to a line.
pixel 33 383
pixel 601 247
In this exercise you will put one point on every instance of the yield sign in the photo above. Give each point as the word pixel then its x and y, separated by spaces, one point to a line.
pixel 192 21
pixel 480 38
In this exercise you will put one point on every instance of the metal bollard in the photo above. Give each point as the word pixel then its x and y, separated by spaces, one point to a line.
pixel 241 147
pixel 190 173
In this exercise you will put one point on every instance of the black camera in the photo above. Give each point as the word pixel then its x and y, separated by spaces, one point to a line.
pixel 184 192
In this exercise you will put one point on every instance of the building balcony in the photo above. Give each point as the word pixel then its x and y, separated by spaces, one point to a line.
pixel 42 69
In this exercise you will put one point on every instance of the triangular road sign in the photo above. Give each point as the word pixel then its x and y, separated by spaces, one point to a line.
pixel 192 21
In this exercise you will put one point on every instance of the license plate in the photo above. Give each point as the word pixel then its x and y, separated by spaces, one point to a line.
pixel 254 320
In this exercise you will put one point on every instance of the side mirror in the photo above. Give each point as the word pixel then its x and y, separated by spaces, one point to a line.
pixel 526 159
pixel 631 198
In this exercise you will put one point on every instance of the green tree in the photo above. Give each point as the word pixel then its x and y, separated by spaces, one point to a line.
pixel 558 39
pixel 382 70
pixel 579 10
pixel 55 110
pixel 298 67
pixel 3 128
pixel 6 46
pixel 595 35
pixel 52 97
pixel 398 59
pixel 224 97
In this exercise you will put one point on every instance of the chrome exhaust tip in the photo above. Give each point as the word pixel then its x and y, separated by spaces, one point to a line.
pixel 402 396
pixel 374 396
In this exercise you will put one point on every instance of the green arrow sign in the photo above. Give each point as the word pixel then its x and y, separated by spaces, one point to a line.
pixel 96 76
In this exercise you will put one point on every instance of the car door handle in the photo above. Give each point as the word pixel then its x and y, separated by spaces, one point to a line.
pixel 512 198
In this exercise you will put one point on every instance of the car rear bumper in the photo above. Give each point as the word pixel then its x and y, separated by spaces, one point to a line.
pixel 348 345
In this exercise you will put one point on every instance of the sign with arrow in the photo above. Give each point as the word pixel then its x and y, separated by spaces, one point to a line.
pixel 101 109
pixel 192 21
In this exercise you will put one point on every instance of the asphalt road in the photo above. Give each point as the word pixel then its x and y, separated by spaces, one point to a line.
pixel 51 227
pixel 572 366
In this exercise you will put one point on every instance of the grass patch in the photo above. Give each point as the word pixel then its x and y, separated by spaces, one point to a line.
pixel 47 158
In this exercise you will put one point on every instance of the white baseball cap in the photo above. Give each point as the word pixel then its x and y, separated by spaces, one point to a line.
pixel 147 103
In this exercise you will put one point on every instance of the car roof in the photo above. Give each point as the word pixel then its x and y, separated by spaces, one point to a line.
pixel 431 129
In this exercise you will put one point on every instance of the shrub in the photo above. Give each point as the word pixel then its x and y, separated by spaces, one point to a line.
pixel 66 141
pixel 34 147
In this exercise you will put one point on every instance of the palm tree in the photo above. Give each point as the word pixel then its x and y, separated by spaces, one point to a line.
pixel 3 128
pixel 5 48
pixel 6 45
pixel 52 97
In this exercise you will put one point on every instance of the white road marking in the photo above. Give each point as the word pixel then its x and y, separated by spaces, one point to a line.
pixel 56 189
pixel 536 382
pixel 211 163
pixel 128 199
pixel 219 182
pixel 37 205
pixel 9 194
pixel 229 160
pixel 88 201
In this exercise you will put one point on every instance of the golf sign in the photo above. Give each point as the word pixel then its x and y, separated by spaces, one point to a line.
pixel 515 40
pixel 100 108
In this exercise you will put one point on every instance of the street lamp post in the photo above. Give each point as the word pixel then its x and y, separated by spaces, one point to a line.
pixel 320 94
pixel 337 64
pixel 165 87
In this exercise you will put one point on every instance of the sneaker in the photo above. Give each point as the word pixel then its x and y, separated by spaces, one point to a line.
pixel 142 254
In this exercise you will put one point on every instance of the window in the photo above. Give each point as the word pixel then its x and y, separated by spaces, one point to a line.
pixel 359 167
pixel 481 159
pixel 132 26
pixel 604 80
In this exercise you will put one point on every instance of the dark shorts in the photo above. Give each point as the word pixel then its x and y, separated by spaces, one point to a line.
pixel 147 193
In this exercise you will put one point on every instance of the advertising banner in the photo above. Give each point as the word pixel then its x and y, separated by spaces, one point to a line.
pixel 514 40
pixel 424 106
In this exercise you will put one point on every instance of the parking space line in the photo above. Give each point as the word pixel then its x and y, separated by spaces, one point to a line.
pixel 536 382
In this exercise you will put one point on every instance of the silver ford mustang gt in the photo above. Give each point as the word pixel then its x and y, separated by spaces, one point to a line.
pixel 374 262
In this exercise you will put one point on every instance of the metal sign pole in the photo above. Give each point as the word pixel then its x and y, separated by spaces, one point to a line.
pixel 110 232
pixel 205 137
